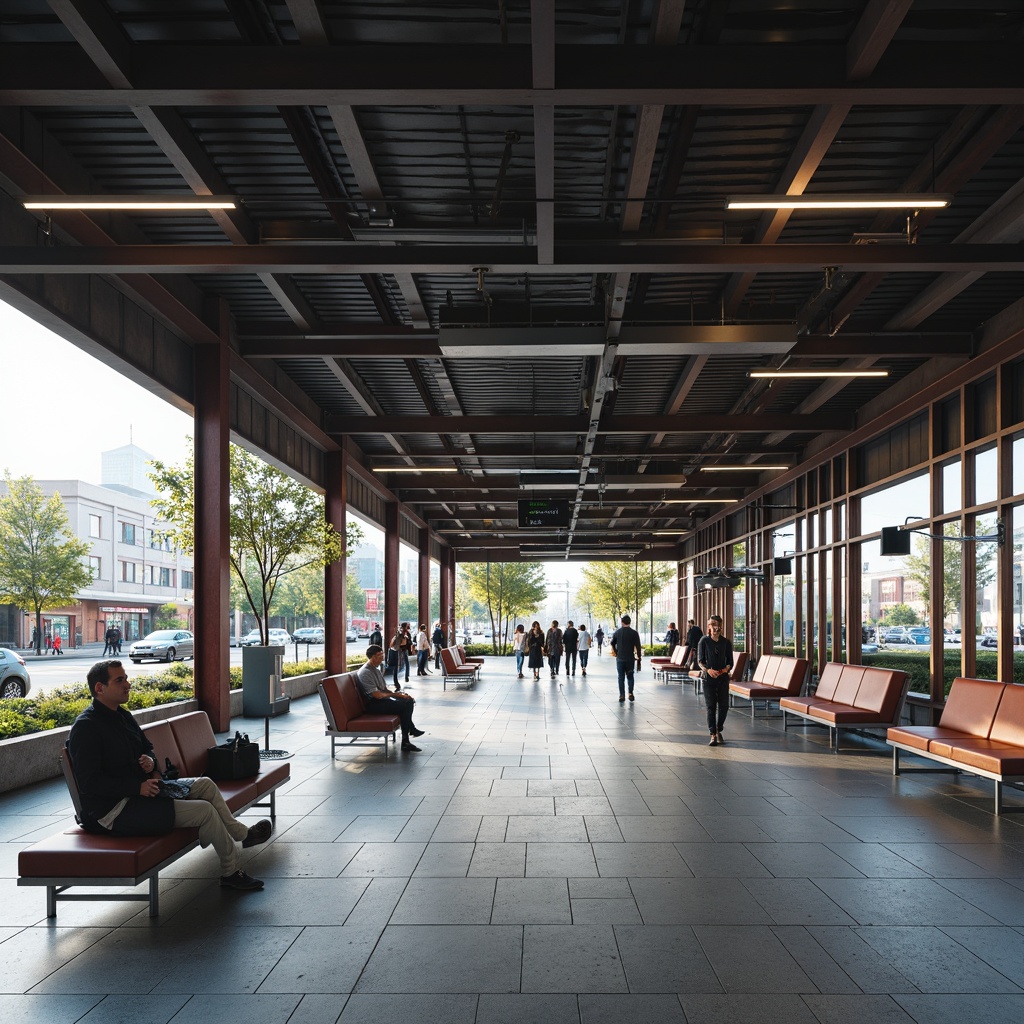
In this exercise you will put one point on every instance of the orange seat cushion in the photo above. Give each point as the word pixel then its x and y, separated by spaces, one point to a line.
pixel 971 706
pixel 920 736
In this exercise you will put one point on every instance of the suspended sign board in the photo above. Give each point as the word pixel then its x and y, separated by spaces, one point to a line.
pixel 543 512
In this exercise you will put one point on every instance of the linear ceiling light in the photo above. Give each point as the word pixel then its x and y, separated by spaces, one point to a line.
pixel 414 469
pixel 700 501
pixel 793 374
pixel 739 469
pixel 129 202
pixel 819 201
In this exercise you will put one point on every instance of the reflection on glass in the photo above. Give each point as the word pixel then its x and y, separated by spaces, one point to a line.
pixel 1018 578
pixel 951 487
pixel 891 505
pixel 841 521
pixel 783 540
pixel 1018 465
pixel 844 638
pixel 986 482
pixel 739 601
pixel 830 632
pixel 952 597
pixel 826 518
pixel 987 575
pixel 801 627
pixel 739 554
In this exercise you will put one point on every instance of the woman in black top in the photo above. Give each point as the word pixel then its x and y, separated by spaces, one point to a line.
pixel 714 654
pixel 535 646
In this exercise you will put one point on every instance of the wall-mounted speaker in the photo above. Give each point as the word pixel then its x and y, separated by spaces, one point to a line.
pixel 895 541
pixel 782 566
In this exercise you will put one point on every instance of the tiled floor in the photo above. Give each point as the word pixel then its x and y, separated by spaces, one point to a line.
pixel 553 856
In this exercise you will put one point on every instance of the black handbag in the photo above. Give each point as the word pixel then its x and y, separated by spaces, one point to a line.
pixel 236 758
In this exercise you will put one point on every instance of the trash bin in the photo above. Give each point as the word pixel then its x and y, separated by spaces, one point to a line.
pixel 262 674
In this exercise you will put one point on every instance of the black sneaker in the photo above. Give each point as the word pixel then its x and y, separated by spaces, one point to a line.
pixel 410 746
pixel 415 732
pixel 240 880
pixel 631 696
pixel 258 834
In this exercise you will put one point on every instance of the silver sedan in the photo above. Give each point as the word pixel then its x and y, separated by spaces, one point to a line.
pixel 163 645
pixel 14 680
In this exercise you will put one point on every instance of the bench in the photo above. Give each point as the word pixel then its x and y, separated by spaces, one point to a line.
pixel 462 659
pixel 775 676
pixel 451 669
pixel 79 858
pixel 347 717
pixel 981 732
pixel 739 666
pixel 853 697
pixel 675 661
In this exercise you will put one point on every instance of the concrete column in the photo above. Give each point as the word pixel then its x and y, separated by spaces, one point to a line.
pixel 335 602
pixel 212 540
pixel 390 570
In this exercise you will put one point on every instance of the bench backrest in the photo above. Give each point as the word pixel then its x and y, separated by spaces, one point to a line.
pixel 1008 726
pixel 881 690
pixel 165 746
pixel 739 666
pixel 849 684
pixel 448 660
pixel 69 778
pixel 971 706
pixel 341 700
pixel 678 655
pixel 460 655
pixel 789 675
pixel 766 669
pixel 194 737
pixel 829 680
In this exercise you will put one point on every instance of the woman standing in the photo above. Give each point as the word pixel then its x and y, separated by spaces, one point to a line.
pixel 405 650
pixel 520 647
pixel 422 651
pixel 584 647
pixel 553 643
pixel 395 655
pixel 535 645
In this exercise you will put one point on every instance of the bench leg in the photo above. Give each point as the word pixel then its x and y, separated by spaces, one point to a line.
pixel 51 901
pixel 999 797
pixel 895 760
pixel 154 896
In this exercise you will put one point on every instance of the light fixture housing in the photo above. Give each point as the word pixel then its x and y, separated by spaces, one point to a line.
pixel 814 374
pixel 840 201
pixel 166 203
pixel 753 467
pixel 700 501
pixel 414 469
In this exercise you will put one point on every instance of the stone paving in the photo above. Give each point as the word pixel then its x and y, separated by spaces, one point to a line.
pixel 554 856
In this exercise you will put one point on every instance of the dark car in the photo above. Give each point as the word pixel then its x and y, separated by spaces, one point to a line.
pixel 989 640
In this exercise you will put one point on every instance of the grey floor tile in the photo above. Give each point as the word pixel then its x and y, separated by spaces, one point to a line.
pixel 388 859
pixel 751 959
pixel 640 860
pixel 323 960
pixel 695 901
pixel 876 861
pixel 441 860
pixel 555 787
pixel 599 888
pixel 662 829
pixel 55 1009
pixel 456 828
pixel 603 829
pixel 445 901
pixel 1000 948
pixel 854 1009
pixel 577 958
pixel 445 958
pixel 721 860
pixel 933 961
pixel 868 969
pixel 588 805
pixel 638 1009
pixel 296 901
pixel 546 829
pixel 764 1009
pixel 802 860
pixel 112 1009
pixel 528 1009
pixel 424 1009
pixel 253 1009
pixel 791 901
pixel 378 902
pixel 316 1008
pixel 978 1008
pixel 560 860
pixel 507 805
pixel 531 901
pixel 814 960
pixel 493 828
pixel 664 958
pixel 938 861
pixel 498 860
pixel 992 896
pixel 893 901
pixel 605 911
pixel 295 860
pixel 374 828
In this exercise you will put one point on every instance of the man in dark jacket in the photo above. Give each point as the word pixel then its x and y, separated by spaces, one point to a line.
pixel 693 635
pixel 571 643
pixel 671 638
pixel 117 777
pixel 628 651
pixel 437 639
pixel 714 654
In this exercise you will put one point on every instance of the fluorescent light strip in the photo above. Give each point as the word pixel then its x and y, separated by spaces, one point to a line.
pixel 889 201
pixel 784 374
pixel 129 202
pixel 738 469
pixel 414 469
pixel 700 501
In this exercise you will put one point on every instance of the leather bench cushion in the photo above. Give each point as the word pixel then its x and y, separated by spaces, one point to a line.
pixel 755 691
pixel 194 736
pixel 999 758
pixel 1008 726
pixel 238 792
pixel 848 685
pixel 920 736
pixel 272 773
pixel 842 714
pixel 790 676
pixel 386 723
pixel 829 680
pixel 880 691
pixel 799 703
pixel 164 745
pixel 971 706
pixel 80 854
pixel 766 668
pixel 330 688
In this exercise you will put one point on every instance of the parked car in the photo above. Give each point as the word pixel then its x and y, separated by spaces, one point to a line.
pixel 869 648
pixel 896 635
pixel 14 680
pixel 350 635
pixel 919 636
pixel 163 645
pixel 989 640
pixel 309 635
pixel 276 638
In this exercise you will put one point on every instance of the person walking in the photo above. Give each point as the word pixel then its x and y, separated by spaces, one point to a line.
pixel 584 646
pixel 535 647
pixel 57 641
pixel 715 657
pixel 377 637
pixel 117 640
pixel 693 635
pixel 671 638
pixel 553 645
pixel 571 641
pixel 628 653
pixel 394 656
pixel 599 639
pixel 108 641
pixel 520 648
pixel 437 639
pixel 422 651
pixel 406 649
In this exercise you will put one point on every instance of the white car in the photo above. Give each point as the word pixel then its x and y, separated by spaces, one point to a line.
pixel 163 645
pixel 276 638
pixel 14 680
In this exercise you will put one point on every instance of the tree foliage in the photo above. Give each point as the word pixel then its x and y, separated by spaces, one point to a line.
pixel 900 615
pixel 614 588
pixel 506 589
pixel 42 563
pixel 277 526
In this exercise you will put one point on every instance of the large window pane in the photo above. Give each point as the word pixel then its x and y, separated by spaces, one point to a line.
pixel 1018 584
pixel 891 505
pixel 951 487
pixel 986 489
pixel 987 600
pixel 952 606
pixel 1018 465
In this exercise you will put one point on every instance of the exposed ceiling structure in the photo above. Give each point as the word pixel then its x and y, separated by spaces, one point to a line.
pixel 488 238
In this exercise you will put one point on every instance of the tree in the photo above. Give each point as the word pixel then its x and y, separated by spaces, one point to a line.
pixel 42 563
pixel 167 617
pixel 917 567
pixel 617 587
pixel 277 526
pixel 506 589
pixel 900 615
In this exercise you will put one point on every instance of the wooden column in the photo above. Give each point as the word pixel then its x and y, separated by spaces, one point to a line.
pixel 424 580
pixel 212 540
pixel 335 603
pixel 391 549
pixel 446 593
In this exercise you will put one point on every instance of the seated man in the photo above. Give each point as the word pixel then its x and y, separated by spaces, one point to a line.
pixel 378 698
pixel 120 788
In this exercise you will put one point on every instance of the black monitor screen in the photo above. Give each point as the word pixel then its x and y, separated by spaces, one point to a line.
pixel 543 512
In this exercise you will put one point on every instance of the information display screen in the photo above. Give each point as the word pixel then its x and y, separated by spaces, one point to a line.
pixel 543 512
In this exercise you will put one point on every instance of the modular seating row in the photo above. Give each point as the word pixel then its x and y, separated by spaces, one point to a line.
pixel 455 666
pixel 981 731
pixel 852 697
pixel 776 676
pixel 347 717
pixel 674 666
pixel 739 668
pixel 79 858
